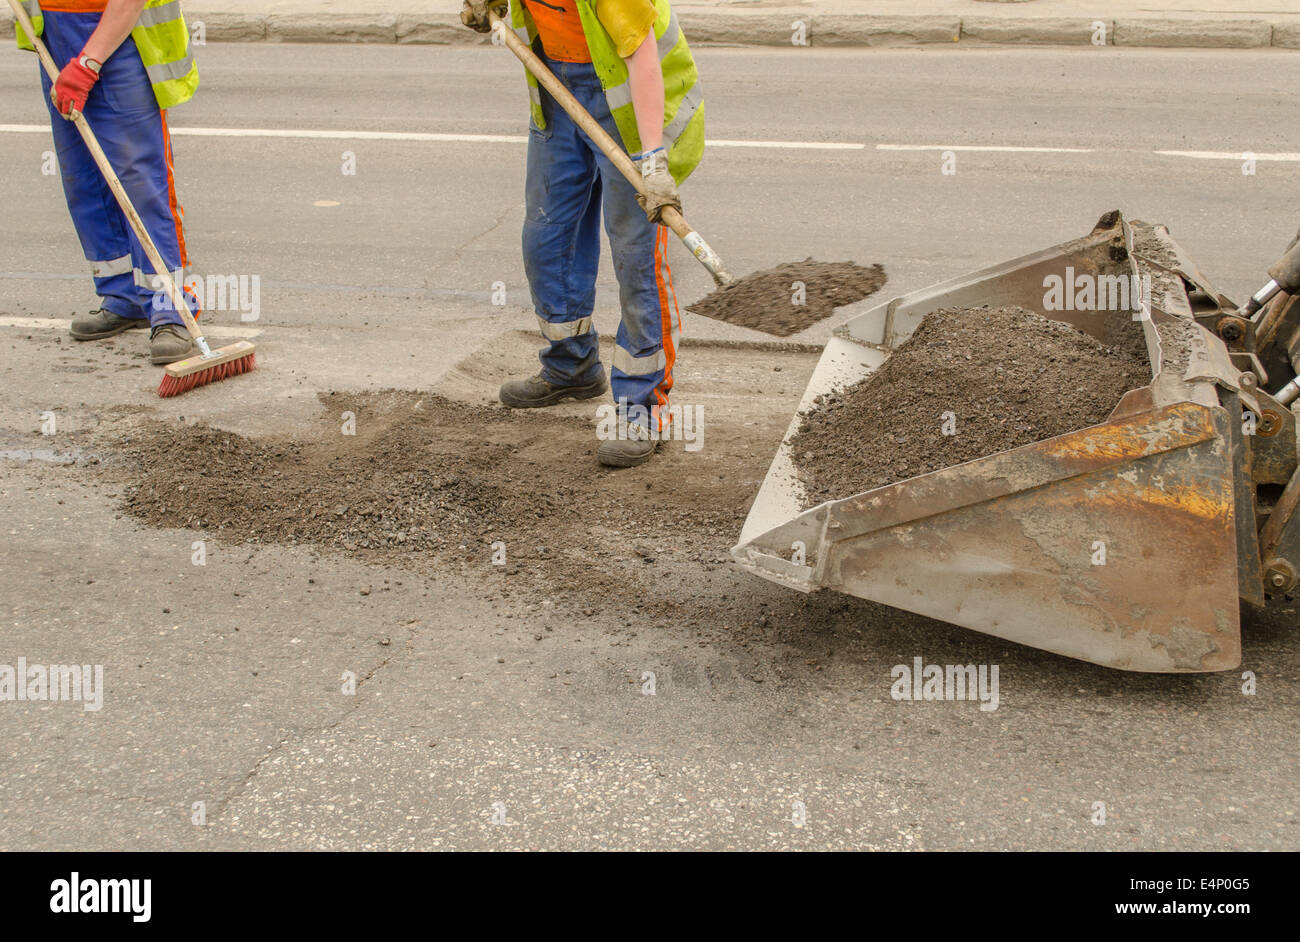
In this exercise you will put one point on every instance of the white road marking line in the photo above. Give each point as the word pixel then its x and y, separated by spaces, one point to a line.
pixel 57 323
pixel 988 148
pixel 427 137
pixel 1225 155
pixel 792 145
pixel 432 138
pixel 308 134
pixel 354 135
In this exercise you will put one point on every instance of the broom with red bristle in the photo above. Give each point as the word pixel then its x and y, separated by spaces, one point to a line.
pixel 209 366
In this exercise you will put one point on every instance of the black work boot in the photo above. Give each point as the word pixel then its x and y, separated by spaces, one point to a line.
pixel 535 392
pixel 633 446
pixel 101 323
pixel 170 343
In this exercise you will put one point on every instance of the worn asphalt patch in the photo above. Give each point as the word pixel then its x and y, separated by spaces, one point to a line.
pixel 427 481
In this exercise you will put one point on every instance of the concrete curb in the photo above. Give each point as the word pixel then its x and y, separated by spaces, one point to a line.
pixel 1286 35
pixel 1037 30
pixel 767 29
pixel 857 30
pixel 340 28
pixel 436 29
pixel 229 27
pixel 739 29
pixel 1214 34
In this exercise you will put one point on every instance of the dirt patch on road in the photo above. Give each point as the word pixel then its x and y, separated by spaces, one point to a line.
pixel 391 484
pixel 1001 377
pixel 429 484
pixel 770 300
pixel 434 484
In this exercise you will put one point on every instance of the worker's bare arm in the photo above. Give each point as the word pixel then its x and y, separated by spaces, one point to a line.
pixel 647 84
pixel 115 25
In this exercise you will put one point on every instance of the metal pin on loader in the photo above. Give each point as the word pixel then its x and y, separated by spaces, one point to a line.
pixel 1267 309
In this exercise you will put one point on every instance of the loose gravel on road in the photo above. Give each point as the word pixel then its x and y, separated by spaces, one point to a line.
pixel 773 301
pixel 1002 377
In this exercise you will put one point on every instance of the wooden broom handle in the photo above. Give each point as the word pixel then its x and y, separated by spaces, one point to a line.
pixel 114 184
pixel 608 146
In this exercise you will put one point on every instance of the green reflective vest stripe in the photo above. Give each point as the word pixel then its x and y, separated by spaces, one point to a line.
pixel 163 41
pixel 683 95
pixel 33 8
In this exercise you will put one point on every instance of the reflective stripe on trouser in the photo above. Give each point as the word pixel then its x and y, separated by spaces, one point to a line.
pixel 124 114
pixel 569 184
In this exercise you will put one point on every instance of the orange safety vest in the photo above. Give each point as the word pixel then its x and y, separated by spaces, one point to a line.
pixel 74 6
pixel 560 28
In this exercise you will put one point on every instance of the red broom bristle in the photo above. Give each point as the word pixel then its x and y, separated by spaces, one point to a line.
pixel 174 386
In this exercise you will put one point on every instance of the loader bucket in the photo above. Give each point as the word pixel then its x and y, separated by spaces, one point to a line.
pixel 1008 544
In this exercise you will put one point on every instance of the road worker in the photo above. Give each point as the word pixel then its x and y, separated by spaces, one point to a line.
pixel 627 63
pixel 127 62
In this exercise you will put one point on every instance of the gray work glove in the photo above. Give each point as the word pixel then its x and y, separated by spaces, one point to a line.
pixel 657 186
pixel 474 13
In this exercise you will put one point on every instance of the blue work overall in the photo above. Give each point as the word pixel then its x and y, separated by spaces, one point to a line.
pixel 569 184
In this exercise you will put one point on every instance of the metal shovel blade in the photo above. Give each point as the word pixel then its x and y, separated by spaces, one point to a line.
pixel 1006 544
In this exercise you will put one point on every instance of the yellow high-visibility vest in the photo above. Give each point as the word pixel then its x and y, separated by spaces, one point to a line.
pixel 683 96
pixel 163 41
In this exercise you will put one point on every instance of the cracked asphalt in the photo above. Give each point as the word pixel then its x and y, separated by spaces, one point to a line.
pixel 482 721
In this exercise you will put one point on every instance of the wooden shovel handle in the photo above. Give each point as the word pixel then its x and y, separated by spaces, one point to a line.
pixel 608 146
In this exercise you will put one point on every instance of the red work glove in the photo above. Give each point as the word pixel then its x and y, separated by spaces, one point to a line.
pixel 71 88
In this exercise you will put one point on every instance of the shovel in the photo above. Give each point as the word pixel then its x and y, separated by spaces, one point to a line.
pixel 611 149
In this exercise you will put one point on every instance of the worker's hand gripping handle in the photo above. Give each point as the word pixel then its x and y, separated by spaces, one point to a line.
pixel 611 148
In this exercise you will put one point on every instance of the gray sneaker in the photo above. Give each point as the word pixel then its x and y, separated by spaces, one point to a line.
pixel 633 447
pixel 100 324
pixel 170 343
pixel 535 392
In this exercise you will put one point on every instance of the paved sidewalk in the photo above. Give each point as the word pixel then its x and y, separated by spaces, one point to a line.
pixel 1175 23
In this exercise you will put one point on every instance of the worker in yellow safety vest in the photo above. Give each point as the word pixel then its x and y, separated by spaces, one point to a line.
pixel 127 61
pixel 628 64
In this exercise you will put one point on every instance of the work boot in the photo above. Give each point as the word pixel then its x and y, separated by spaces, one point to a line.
pixel 535 392
pixel 101 323
pixel 170 343
pixel 633 447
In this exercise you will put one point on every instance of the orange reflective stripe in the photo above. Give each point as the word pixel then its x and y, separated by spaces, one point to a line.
pixel 560 26
pixel 668 272
pixel 74 6
pixel 664 282
pixel 178 214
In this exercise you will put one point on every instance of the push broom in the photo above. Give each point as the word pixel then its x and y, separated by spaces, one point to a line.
pixel 616 154
pixel 209 365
